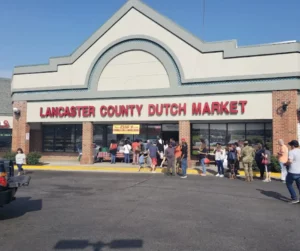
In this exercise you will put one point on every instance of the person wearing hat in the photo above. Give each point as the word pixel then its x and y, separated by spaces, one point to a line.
pixel 248 154
pixel 184 155
pixel 294 170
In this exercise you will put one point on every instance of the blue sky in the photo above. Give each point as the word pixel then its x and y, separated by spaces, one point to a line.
pixel 31 31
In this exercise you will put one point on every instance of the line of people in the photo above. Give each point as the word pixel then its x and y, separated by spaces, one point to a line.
pixel 238 155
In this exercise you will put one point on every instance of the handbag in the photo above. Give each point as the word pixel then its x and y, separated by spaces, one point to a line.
pixel 265 161
pixel 206 161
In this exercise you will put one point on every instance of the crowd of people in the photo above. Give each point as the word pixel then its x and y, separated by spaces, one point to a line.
pixel 155 153
pixel 236 156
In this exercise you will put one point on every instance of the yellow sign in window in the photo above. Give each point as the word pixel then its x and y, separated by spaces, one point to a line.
pixel 126 129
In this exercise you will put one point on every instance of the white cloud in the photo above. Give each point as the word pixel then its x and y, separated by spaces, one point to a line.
pixel 5 73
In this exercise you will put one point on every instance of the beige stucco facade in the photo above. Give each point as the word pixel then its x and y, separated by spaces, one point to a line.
pixel 195 65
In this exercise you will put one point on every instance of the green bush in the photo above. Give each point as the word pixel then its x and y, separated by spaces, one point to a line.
pixel 275 164
pixel 10 156
pixel 33 158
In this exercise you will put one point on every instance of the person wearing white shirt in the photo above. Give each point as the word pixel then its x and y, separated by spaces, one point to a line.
pixel 127 149
pixel 219 157
pixel 20 161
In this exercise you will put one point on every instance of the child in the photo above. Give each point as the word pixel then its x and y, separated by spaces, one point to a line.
pixel 20 161
pixel 143 160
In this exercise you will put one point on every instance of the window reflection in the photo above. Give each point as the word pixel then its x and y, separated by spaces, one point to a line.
pixel 236 132
pixel 255 133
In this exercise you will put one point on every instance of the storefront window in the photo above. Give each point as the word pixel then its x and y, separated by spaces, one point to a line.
pixel 230 133
pixel 255 133
pixel 62 138
pixel 200 133
pixel 143 133
pixel 236 132
pixel 100 135
pixel 154 131
pixel 268 134
pixel 217 134
pixel 5 139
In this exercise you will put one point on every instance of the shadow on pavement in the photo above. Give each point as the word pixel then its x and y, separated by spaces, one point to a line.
pixel 98 246
pixel 274 195
pixel 20 207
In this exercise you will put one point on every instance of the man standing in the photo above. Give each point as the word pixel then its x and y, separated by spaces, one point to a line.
pixel 294 170
pixel 136 148
pixel 153 150
pixel 283 158
pixel 170 156
pixel 184 154
pixel 247 160
pixel 239 154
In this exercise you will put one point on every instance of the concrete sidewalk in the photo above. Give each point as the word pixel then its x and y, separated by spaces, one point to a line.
pixel 119 168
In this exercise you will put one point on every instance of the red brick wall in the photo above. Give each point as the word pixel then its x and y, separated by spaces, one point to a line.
pixel 20 127
pixel 87 141
pixel 185 132
pixel 284 123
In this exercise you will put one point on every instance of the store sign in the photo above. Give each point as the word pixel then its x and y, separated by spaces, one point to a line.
pixel 126 129
pixel 134 111
pixel 131 110
pixel 4 124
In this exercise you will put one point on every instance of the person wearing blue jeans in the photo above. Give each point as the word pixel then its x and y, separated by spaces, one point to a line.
pixel 219 157
pixel 293 171
pixel 113 158
pixel 184 155
pixel 127 158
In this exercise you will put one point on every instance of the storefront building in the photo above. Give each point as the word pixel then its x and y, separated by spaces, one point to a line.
pixel 142 69
pixel 6 118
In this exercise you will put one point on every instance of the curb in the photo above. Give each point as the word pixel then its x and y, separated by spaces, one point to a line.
pixel 123 170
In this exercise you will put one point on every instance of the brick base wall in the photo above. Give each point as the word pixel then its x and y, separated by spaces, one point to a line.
pixel 87 143
pixel 284 123
pixel 185 132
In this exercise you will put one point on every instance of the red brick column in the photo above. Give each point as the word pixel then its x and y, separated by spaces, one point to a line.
pixel 20 128
pixel 284 123
pixel 185 132
pixel 87 143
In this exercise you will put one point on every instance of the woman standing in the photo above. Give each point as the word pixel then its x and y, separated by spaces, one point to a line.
pixel 258 160
pixel 202 155
pixel 219 157
pixel 266 155
pixel 127 149
pixel 113 151
pixel 232 157
pixel 20 161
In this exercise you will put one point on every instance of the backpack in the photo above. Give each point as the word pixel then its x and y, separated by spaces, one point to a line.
pixel 138 148
pixel 232 155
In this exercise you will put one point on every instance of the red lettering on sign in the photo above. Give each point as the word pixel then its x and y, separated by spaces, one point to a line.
pixel 103 111
pixel 206 108
pixel 151 110
pixel 243 104
pixel 233 107
pixel 174 109
pixel 182 109
pixel 223 107
pixel 167 106
pixel 41 113
pixel 215 106
pixel 196 109
pixel 139 109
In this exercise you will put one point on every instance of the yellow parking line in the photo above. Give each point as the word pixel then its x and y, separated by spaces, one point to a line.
pixel 120 169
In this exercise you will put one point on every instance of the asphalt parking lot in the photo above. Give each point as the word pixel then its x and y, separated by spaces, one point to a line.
pixel 103 211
